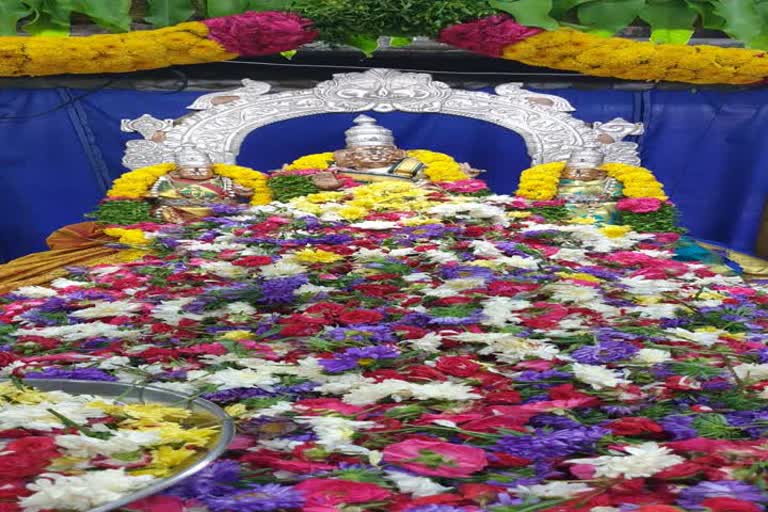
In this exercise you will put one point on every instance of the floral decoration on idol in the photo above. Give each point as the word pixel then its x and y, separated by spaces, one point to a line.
pixel 386 343
pixel 76 452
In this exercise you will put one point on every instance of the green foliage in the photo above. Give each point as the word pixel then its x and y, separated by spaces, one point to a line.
pixel 284 188
pixel 216 8
pixel 552 213
pixel 663 220
pixel 11 12
pixel 715 426
pixel 53 17
pixel 122 212
pixel 607 17
pixel 696 370
pixel 532 13
pixel 163 13
pixel 671 21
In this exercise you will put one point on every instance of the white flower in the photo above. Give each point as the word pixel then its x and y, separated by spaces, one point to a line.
pixel 336 434
pixel 283 267
pixel 598 376
pixel 170 311
pixel 706 338
pixel 224 269
pixel 435 256
pixel 641 286
pixel 371 392
pixel 500 311
pixel 651 356
pixel 107 309
pixel 122 441
pixel 81 331
pixel 571 293
pixel 643 461
pixel 114 363
pixel 417 486
pixel 509 348
pixel 240 308
pixel 552 490
pixel 417 277
pixel 37 417
pixel 231 378
pixel 453 286
pixel 35 292
pixel 277 409
pixel 656 311
pixel 751 372
pixel 83 492
pixel 429 343
pixel 485 249
pixel 376 225
pixel 63 282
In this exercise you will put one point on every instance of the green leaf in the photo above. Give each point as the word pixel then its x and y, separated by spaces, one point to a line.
pixel 268 5
pixel 365 43
pixel 742 20
pixel 216 8
pixel 53 18
pixel 609 16
pixel 671 21
pixel 400 42
pixel 561 7
pixel 531 13
pixel 113 15
pixel 11 12
pixel 706 10
pixel 164 13
pixel 289 54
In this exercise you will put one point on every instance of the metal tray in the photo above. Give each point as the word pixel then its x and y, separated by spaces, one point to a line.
pixel 130 393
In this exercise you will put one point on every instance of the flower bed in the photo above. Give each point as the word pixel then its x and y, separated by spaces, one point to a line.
pixel 388 347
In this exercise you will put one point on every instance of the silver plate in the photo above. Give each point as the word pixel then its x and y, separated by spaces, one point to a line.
pixel 129 393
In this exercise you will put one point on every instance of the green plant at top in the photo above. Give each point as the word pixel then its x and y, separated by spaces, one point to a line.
pixel 361 22
pixel 664 220
pixel 122 212
pixel 286 187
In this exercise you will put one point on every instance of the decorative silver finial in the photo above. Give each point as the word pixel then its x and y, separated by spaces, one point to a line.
pixel 191 156
pixel 368 133
pixel 587 157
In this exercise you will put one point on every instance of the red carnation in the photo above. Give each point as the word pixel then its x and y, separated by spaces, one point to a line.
pixel 253 34
pixel 458 366
pixel 252 261
pixel 488 36
pixel 360 316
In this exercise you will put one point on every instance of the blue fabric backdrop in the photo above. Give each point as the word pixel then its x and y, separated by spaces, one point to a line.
pixel 705 146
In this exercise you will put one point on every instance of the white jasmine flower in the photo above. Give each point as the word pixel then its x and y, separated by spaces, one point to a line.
pixel 345 383
pixel 282 268
pixel 277 409
pixel 643 461
pixel 656 311
pixel 519 262
pixel 552 490
pixel 500 311
pixel 651 356
pixel 398 390
pixel 231 378
pixel 417 277
pixel 120 442
pixel 35 292
pixel 435 256
pixel 311 289
pixel 598 376
pixel 83 492
pixel 37 417
pixel 336 434
pixel 417 486
pixel 571 293
pixel 508 347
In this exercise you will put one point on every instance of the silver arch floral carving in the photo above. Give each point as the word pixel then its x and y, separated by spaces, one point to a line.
pixel 223 120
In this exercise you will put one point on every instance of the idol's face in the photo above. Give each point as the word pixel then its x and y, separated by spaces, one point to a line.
pixel 369 156
pixel 203 172
pixel 584 174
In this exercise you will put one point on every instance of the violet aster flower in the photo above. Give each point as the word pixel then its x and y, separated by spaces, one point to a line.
pixel 358 357
pixel 605 352
pixel 553 421
pixel 465 271
pixel 691 498
pixel 363 333
pixel 280 290
pixel 257 498
pixel 437 508
pixel 226 209
pixel 232 395
pixel 75 374
pixel 553 445
pixel 218 478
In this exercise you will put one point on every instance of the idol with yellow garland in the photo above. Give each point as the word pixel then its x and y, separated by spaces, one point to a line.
pixel 588 190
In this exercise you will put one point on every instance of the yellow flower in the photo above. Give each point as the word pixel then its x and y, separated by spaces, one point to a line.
pixel 352 212
pixel 615 231
pixel 316 161
pixel 519 215
pixel 175 433
pixel 325 197
pixel 237 335
pixel 151 412
pixel 27 396
pixel 580 276
pixel 127 236
pixel 582 220
pixel 317 256
pixel 165 460
pixel 236 410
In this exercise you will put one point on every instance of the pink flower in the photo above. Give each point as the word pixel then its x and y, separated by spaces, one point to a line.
pixel 639 204
pixel 436 458
pixel 488 35
pixel 328 492
pixel 253 34
pixel 464 186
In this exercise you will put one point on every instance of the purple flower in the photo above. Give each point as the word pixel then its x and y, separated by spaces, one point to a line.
pixel 680 427
pixel 605 352
pixel 217 478
pixel 363 333
pixel 232 395
pixel 75 374
pixel 465 271
pixel 358 357
pixel 280 290
pixel 692 497
pixel 226 209
pixel 436 508
pixel 257 498
pixel 553 445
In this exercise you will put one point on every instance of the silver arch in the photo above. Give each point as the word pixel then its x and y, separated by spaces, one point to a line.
pixel 223 120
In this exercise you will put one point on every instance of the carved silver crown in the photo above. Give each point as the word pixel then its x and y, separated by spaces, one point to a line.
pixel 191 156
pixel 368 133
pixel 588 157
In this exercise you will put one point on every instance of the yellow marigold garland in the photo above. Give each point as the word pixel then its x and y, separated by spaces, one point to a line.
pixel 439 166
pixel 540 182
pixel 632 60
pixel 136 184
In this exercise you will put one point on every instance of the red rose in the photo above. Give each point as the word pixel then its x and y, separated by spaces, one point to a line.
pixel 253 261
pixel 730 505
pixel 634 426
pixel 458 366
pixel 436 458
pixel 482 493
pixel 22 465
pixel 360 316
pixel 333 491
pixel 253 34
pixel 450 301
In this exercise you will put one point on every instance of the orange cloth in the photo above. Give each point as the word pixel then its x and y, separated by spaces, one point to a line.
pixel 80 244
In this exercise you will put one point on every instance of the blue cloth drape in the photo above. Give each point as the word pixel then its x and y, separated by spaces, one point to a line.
pixel 704 146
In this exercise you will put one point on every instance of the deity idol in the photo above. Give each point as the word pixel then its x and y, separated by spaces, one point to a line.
pixel 187 192
pixel 588 190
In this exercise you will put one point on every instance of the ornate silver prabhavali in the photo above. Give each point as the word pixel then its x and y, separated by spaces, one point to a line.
pixel 223 120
